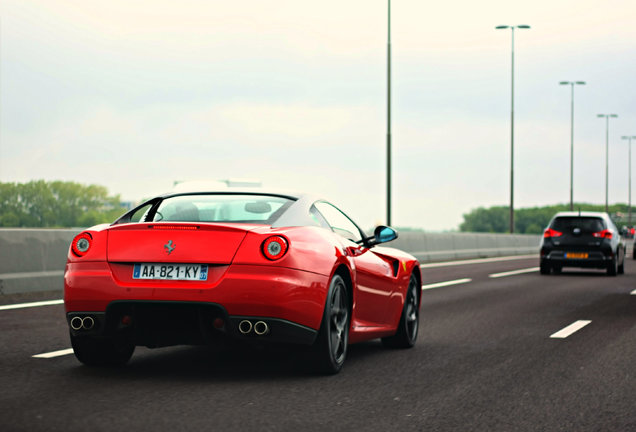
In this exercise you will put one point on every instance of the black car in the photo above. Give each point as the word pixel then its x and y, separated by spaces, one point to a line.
pixel 582 239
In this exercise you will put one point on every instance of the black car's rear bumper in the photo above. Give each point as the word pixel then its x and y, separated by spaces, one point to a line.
pixel 559 258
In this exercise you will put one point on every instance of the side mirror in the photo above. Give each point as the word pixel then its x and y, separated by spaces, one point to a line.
pixel 382 234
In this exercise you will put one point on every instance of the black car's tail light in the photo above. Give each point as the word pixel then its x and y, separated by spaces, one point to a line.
pixel 81 244
pixel 606 234
pixel 274 247
pixel 549 232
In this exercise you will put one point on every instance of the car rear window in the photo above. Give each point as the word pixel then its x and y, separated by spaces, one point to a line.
pixel 585 224
pixel 242 208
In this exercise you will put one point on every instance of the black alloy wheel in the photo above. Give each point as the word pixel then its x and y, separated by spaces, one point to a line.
pixel 333 338
pixel 406 334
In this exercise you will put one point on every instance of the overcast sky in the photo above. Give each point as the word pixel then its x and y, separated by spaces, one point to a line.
pixel 134 95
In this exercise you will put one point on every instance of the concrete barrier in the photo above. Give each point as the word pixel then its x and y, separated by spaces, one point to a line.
pixel 430 247
pixel 34 259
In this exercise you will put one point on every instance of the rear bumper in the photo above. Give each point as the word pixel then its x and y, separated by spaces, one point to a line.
pixel 157 324
pixel 595 259
pixel 290 301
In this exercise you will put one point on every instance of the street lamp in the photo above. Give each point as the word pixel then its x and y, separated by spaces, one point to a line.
pixel 629 199
pixel 607 117
pixel 572 84
pixel 512 122
pixel 388 120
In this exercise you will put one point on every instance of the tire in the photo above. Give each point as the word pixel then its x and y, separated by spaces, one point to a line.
pixel 406 334
pixel 93 351
pixel 612 267
pixel 330 348
pixel 544 268
pixel 621 267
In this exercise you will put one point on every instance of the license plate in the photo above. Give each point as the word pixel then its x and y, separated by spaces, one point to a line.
pixel 576 255
pixel 191 272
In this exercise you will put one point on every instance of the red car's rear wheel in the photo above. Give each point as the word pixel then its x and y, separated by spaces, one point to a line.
pixel 333 337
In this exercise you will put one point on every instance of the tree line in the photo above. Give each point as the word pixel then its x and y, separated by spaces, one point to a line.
pixel 533 220
pixel 56 204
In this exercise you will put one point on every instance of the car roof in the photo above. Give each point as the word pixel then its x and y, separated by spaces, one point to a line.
pixel 581 214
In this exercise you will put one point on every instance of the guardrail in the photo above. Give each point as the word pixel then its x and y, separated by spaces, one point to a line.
pixel 34 259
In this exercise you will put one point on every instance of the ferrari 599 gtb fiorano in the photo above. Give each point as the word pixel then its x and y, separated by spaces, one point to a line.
pixel 197 268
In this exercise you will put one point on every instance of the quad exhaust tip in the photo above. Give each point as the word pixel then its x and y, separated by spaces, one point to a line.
pixel 260 328
pixel 245 327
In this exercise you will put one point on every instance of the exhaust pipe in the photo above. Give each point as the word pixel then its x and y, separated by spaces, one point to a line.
pixel 88 323
pixel 245 327
pixel 79 323
pixel 261 328
pixel 76 323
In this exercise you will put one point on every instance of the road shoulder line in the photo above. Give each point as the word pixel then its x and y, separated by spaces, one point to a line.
pixel 33 304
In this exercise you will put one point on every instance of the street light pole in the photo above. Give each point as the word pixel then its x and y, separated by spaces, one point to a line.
pixel 629 187
pixel 607 117
pixel 512 122
pixel 572 84
pixel 388 121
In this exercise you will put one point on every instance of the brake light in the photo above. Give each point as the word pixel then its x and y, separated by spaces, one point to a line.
pixel 606 234
pixel 81 244
pixel 274 247
pixel 549 232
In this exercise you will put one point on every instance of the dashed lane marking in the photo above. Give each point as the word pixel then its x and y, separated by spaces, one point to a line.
pixel 446 283
pixel 33 304
pixel 55 353
pixel 572 328
pixel 514 272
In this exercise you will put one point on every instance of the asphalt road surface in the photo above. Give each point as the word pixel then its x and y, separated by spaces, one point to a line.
pixel 501 348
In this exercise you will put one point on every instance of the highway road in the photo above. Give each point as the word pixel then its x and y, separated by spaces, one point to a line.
pixel 501 348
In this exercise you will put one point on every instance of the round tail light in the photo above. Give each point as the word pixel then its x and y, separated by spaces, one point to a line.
pixel 81 244
pixel 275 247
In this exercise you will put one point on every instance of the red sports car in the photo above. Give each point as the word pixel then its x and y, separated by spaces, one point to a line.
pixel 195 268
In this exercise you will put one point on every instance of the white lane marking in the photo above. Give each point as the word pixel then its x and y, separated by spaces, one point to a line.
pixel 477 261
pixel 633 292
pixel 55 353
pixel 446 283
pixel 572 328
pixel 514 272
pixel 34 304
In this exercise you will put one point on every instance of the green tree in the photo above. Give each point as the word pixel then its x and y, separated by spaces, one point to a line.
pixel 56 204
pixel 493 220
pixel 531 220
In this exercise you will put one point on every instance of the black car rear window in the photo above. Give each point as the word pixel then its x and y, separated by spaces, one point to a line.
pixel 585 224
